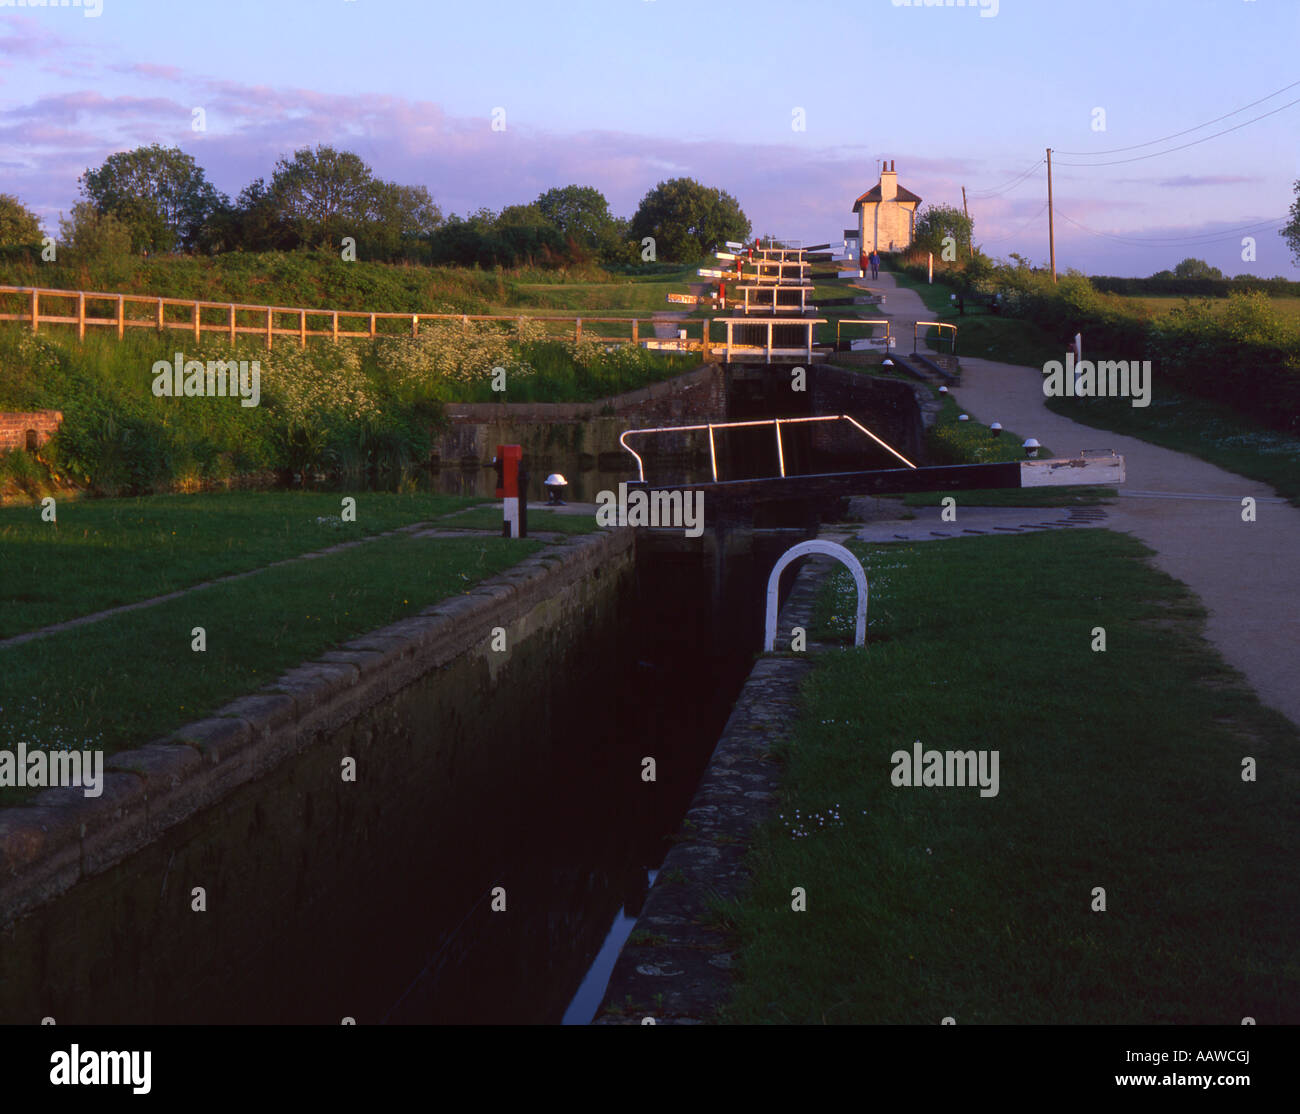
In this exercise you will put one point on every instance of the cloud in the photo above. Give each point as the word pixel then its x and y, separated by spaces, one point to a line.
pixel 22 36
pixel 1193 180
pixel 149 69
pixel 70 107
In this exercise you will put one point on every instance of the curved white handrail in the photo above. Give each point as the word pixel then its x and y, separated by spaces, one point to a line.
pixel 829 549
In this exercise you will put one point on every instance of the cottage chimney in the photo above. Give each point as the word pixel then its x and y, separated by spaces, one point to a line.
pixel 888 182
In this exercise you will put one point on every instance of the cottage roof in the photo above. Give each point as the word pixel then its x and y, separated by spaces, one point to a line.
pixel 873 194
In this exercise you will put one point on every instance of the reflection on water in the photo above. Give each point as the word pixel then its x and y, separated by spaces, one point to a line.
pixel 587 1000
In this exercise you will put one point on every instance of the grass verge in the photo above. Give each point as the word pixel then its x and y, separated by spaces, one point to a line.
pixel 984 335
pixel 1120 769
pixel 1209 430
pixel 489 518
pixel 132 678
pixel 101 553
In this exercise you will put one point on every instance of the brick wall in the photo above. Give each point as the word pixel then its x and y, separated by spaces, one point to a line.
pixel 14 428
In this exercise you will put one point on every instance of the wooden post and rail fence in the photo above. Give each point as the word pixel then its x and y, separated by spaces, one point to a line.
pixel 85 309
pixel 234 319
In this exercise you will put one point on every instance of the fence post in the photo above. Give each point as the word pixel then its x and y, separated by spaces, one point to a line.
pixel 268 328
pixel 160 315
pixel 196 322
pixel 635 333
pixel 36 308
pixel 121 317
pixel 81 315
pixel 372 326
pixel 302 328
pixel 336 326
pixel 577 333
pixel 415 324
pixel 232 323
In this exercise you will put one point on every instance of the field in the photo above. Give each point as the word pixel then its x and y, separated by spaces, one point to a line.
pixel 1288 308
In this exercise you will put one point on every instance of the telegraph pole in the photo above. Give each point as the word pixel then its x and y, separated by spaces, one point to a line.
pixel 970 237
pixel 1051 228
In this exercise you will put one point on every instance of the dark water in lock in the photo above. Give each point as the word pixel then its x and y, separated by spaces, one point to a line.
pixel 577 839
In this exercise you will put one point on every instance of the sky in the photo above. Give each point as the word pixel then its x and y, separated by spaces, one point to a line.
pixel 789 106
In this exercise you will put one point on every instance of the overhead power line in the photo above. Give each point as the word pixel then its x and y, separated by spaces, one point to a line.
pixel 1018 229
pixel 1193 143
pixel 1187 131
pixel 1179 241
pixel 985 195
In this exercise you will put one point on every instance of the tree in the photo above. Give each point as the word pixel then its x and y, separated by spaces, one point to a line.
pixel 688 220
pixel 257 222
pixel 19 226
pixel 581 214
pixel 977 273
pixel 323 194
pixel 517 216
pixel 159 193
pixel 1196 269
pixel 397 218
pixel 92 234
pixel 619 247
pixel 1290 231
pixel 934 222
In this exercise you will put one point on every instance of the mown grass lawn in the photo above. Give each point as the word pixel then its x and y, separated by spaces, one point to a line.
pixel 101 553
pixel 1119 769
pixel 617 296
pixel 132 678
pixel 490 518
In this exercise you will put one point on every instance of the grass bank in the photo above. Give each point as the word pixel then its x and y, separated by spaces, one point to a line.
pixel 101 553
pixel 1119 769
pixel 350 410
pixel 131 678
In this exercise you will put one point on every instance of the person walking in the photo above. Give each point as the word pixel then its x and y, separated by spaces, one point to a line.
pixel 875 263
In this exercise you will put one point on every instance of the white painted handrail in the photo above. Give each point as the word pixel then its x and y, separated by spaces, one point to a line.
pixel 828 549
pixel 777 422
